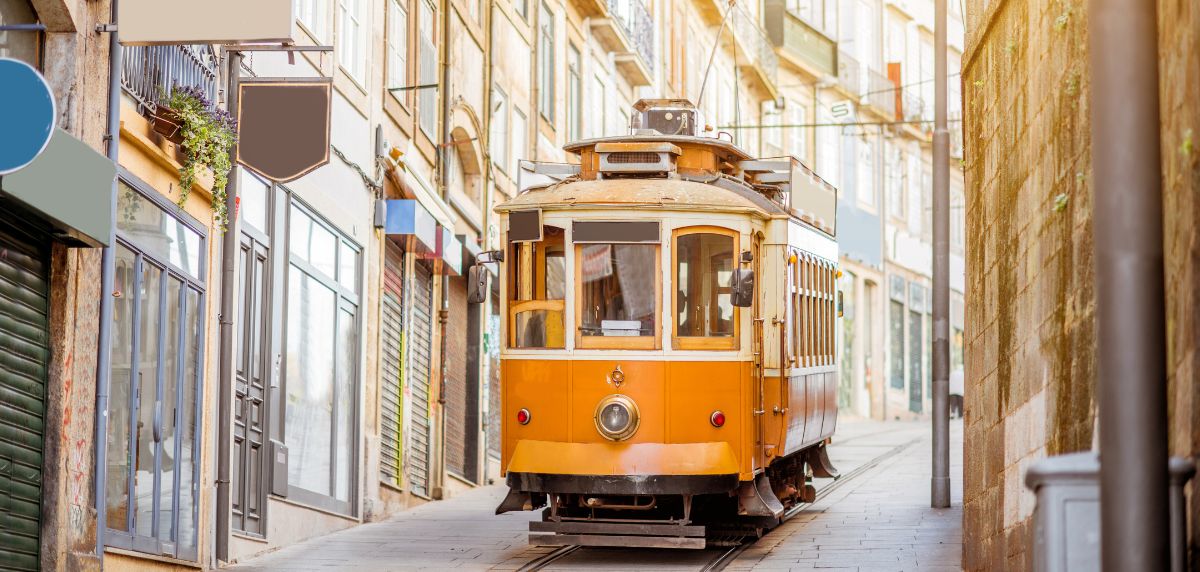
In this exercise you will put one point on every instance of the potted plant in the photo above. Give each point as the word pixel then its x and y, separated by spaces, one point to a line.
pixel 206 136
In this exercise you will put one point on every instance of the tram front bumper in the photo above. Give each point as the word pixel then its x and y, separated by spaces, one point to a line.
pixel 623 468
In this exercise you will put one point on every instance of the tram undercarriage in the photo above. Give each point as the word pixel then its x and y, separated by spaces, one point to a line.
pixel 664 511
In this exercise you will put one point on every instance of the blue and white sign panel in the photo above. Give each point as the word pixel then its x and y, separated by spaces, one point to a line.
pixel 27 114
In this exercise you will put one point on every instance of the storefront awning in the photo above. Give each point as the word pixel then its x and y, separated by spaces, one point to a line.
pixel 408 223
pixel 69 185
pixel 450 251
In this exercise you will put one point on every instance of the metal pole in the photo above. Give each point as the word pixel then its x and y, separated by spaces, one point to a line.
pixel 229 252
pixel 1130 317
pixel 940 481
pixel 107 278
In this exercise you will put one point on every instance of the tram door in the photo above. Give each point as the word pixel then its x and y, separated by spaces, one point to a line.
pixel 758 348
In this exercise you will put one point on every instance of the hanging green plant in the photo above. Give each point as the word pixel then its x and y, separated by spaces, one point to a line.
pixel 208 135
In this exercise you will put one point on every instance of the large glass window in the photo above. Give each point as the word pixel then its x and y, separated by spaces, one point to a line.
pixel 498 135
pixel 704 314
pixel 322 364
pixel 427 68
pixel 397 46
pixel 311 13
pixel 152 461
pixel 537 288
pixel 618 295
pixel 546 62
pixel 352 53
pixel 574 93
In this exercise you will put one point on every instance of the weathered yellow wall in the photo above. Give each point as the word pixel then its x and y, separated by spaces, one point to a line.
pixel 1030 328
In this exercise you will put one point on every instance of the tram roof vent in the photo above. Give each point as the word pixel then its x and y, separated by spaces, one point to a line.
pixel 645 158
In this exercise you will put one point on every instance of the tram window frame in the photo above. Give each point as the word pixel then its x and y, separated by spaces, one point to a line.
pixel 707 342
pixel 597 342
pixel 534 254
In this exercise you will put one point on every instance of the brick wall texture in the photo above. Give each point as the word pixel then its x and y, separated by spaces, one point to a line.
pixel 1030 331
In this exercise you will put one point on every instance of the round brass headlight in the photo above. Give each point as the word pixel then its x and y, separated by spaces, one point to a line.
pixel 617 417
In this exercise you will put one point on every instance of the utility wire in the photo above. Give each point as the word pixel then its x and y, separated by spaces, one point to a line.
pixel 847 124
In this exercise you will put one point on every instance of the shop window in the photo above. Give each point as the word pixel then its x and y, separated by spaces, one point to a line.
pixel 704 314
pixel 321 364
pixel 152 469
pixel 537 290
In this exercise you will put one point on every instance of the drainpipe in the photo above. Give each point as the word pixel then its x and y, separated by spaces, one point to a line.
pixel 1127 174
pixel 485 145
pixel 229 251
pixel 940 480
pixel 107 278
pixel 443 187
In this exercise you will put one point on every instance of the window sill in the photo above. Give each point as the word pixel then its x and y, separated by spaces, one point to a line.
pixel 155 557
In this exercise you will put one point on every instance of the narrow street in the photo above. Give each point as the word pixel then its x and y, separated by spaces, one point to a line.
pixel 876 517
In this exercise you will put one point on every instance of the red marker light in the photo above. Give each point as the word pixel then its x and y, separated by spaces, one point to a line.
pixel 717 419
pixel 523 417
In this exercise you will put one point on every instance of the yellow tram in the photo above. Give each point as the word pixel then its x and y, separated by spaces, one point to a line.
pixel 669 309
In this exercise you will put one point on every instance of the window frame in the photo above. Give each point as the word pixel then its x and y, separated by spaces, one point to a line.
pixel 546 61
pixel 398 20
pixel 129 538
pixel 346 300
pixel 539 301
pixel 617 342
pixel 708 343
pixel 318 26
pixel 354 50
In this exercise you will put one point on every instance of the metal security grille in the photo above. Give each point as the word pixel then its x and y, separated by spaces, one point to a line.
pixel 24 356
pixel 456 381
pixel 420 356
pixel 391 460
pixel 630 157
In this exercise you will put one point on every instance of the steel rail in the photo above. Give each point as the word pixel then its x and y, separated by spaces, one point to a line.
pixel 727 556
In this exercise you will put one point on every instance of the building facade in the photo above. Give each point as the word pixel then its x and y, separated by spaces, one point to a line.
pixel 1031 312
pixel 55 219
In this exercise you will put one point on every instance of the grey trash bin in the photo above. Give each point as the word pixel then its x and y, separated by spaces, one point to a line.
pixel 1066 523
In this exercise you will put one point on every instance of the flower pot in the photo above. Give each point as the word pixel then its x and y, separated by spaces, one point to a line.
pixel 168 124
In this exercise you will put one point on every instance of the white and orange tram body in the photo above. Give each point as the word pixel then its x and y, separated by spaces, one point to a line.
pixel 669 366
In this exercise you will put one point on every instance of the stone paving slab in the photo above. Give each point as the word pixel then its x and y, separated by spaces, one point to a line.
pixel 878 521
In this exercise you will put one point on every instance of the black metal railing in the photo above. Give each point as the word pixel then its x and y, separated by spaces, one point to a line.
pixel 849 73
pixel 148 73
pixel 637 24
pixel 761 50
pixel 913 106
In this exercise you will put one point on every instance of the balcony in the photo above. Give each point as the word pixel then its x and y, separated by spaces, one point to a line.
pixel 148 73
pixel 881 94
pixel 755 52
pixel 798 42
pixel 912 107
pixel 627 30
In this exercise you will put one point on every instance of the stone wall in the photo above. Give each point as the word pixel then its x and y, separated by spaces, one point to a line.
pixel 1030 329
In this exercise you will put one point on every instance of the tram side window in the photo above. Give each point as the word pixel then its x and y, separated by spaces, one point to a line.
pixel 703 303
pixel 536 291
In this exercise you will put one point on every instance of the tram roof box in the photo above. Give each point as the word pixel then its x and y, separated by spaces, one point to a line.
pixel 665 117
pixel 809 196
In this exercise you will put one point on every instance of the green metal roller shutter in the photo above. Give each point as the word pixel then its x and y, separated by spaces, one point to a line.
pixel 24 357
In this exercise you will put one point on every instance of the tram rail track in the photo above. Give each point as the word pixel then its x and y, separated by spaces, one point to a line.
pixel 728 554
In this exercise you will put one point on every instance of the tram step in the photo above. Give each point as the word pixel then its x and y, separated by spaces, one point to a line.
pixel 597 528
pixel 616 540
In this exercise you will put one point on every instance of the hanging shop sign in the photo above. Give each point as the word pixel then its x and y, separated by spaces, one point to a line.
pixel 209 22
pixel 27 114
pixel 283 126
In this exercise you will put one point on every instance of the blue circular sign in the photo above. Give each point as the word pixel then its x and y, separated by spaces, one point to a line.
pixel 27 114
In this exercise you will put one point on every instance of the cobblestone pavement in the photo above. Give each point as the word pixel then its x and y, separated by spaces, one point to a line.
pixel 878 518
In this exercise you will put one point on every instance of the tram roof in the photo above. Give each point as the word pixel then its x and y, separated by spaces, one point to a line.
pixel 668 194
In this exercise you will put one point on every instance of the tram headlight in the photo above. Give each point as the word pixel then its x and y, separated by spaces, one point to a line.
pixel 617 417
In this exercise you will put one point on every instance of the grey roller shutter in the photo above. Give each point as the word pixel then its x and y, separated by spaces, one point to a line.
pixel 420 363
pixel 24 358
pixel 391 461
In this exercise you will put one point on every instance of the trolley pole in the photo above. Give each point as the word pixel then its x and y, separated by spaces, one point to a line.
pixel 1130 314
pixel 940 481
